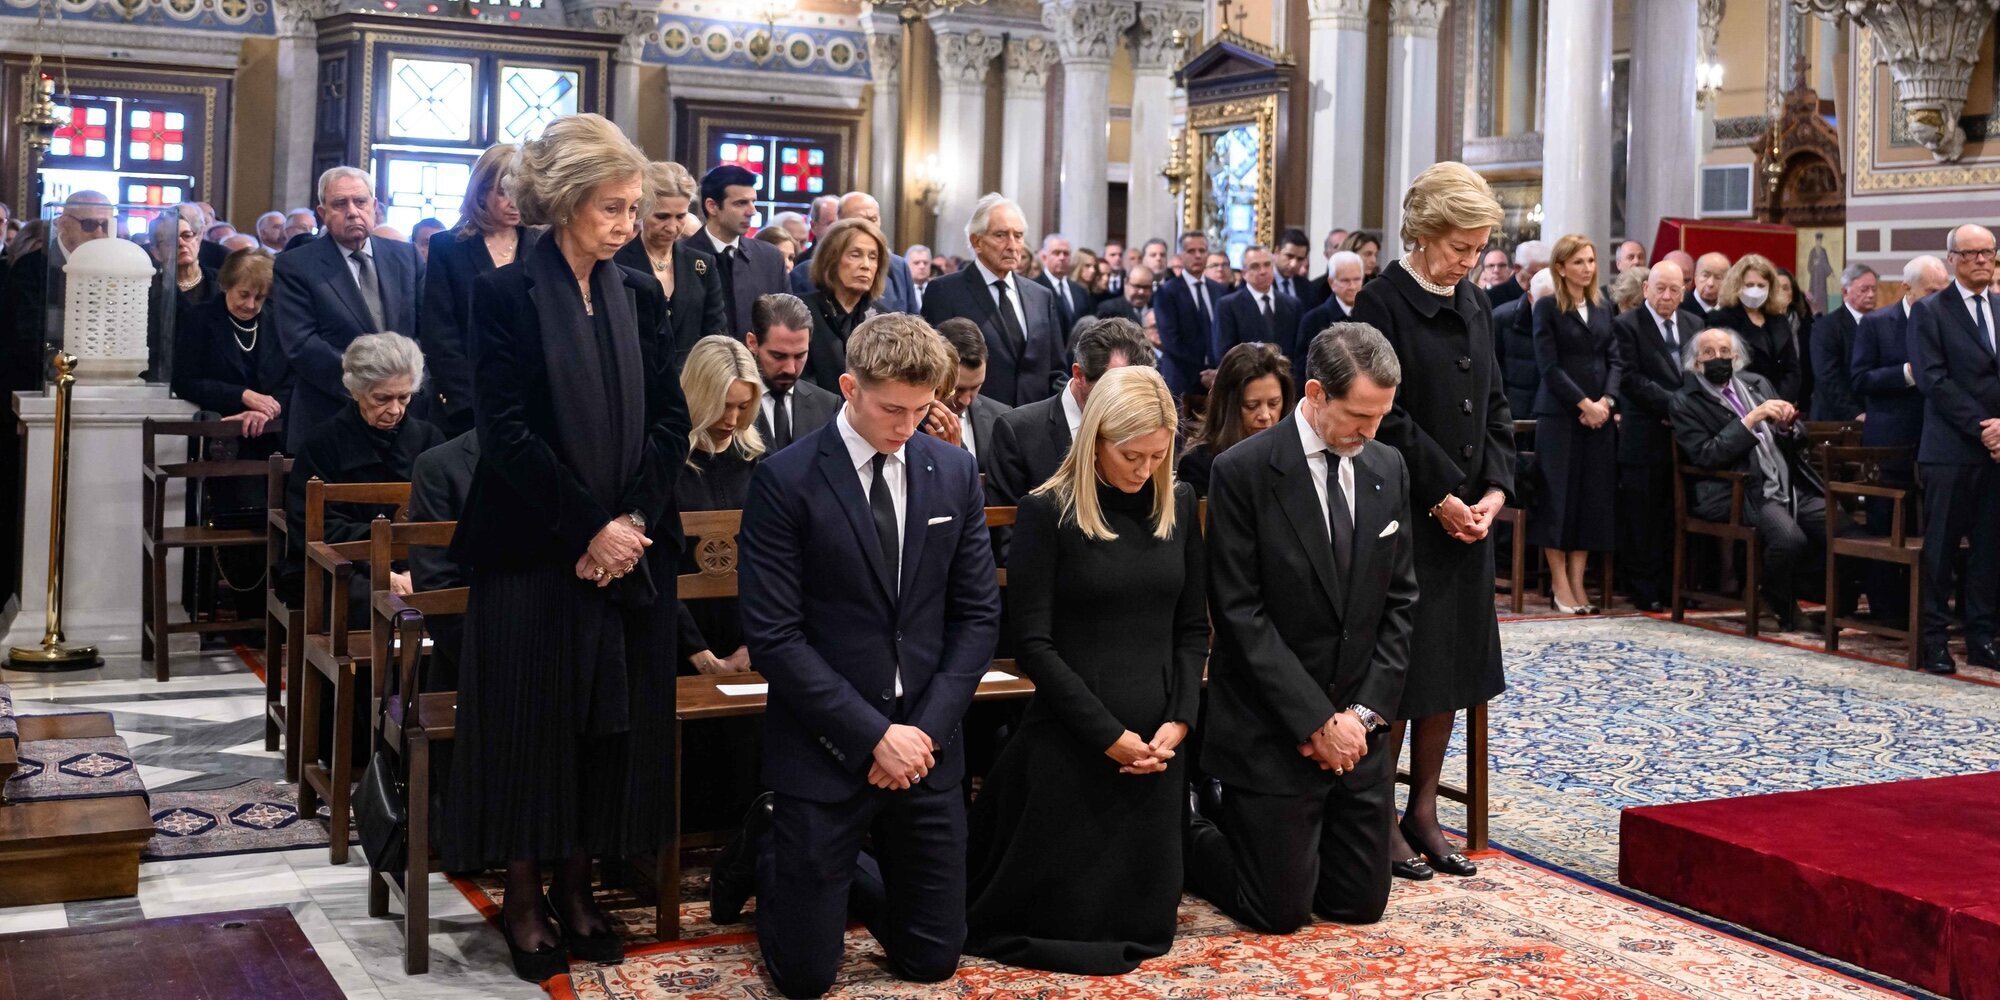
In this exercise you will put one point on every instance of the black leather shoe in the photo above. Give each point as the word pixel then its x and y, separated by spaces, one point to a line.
pixel 1413 869
pixel 602 947
pixel 1450 864
pixel 1938 662
pixel 734 878
pixel 1983 654
pixel 544 963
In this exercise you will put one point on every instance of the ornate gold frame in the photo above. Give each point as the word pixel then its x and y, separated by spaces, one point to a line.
pixel 1203 119
pixel 1865 177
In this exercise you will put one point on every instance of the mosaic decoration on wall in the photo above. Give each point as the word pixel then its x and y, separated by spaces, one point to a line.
pixel 243 17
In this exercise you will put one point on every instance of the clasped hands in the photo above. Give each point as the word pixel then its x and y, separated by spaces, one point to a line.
pixel 613 553
pixel 1469 523
pixel 1989 436
pixel 1135 754
pixel 1776 411
pixel 1594 413
pixel 902 757
pixel 1337 745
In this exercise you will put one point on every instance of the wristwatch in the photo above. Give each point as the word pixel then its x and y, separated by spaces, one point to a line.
pixel 1369 720
pixel 638 520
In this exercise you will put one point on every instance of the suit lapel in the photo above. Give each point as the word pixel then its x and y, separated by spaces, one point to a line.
pixel 1371 514
pixel 1300 499
pixel 834 464
pixel 919 482
pixel 340 277
pixel 989 310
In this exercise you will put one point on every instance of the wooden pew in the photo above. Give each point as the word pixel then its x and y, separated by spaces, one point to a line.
pixel 157 539
pixel 284 626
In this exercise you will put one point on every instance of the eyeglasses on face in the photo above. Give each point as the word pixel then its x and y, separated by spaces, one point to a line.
pixel 1986 254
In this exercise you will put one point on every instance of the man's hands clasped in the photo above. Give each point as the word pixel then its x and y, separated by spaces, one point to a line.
pixel 1338 745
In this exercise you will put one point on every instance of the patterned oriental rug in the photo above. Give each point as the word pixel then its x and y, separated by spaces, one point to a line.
pixel 255 816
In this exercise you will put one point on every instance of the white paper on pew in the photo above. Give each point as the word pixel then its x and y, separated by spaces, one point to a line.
pixel 398 642
pixel 996 677
pixel 743 690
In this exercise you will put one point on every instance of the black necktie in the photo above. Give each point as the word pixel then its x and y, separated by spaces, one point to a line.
pixel 371 293
pixel 883 507
pixel 1979 320
pixel 1200 300
pixel 1672 344
pixel 1341 521
pixel 781 418
pixel 726 263
pixel 1016 337
pixel 1264 302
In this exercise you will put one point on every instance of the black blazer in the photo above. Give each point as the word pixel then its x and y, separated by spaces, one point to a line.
pixel 1894 404
pixel 320 311
pixel 1712 436
pixel 439 483
pixel 342 450
pixel 1832 347
pixel 1028 445
pixel 1084 302
pixel 812 409
pixel 447 307
pixel 1186 340
pixel 831 632
pixel 826 358
pixel 979 420
pixel 1118 307
pixel 1238 321
pixel 1576 360
pixel 1505 292
pixel 1015 373
pixel 1653 374
pixel 211 369
pixel 1315 321
pixel 696 309
pixel 1514 345
pixel 1294 643
pixel 1774 351
pixel 760 271
pixel 1956 371
pixel 527 507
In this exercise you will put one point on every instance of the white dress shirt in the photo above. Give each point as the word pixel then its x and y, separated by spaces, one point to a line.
pixel 1199 289
pixel 863 456
pixel 1061 287
pixel 1317 454
pixel 967 435
pixel 1660 323
pixel 986 280
pixel 1583 312
pixel 1851 311
pixel 1072 410
pixel 367 249
pixel 1976 304
pixel 718 245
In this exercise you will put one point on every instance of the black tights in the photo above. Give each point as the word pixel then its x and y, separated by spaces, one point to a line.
pixel 1428 739
pixel 569 892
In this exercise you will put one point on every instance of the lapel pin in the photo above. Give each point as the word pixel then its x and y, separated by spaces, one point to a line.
pixel 1378 487
pixel 700 266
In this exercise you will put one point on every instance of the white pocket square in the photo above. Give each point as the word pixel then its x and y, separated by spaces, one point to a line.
pixel 1389 530
pixel 937 520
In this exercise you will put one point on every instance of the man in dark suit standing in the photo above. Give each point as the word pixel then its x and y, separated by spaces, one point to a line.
pixel 1023 328
pixel 1952 340
pixel 1258 311
pixel 1833 346
pixel 343 284
pixel 1030 441
pixel 977 413
pixel 1650 337
pixel 873 617
pixel 1311 582
pixel 1342 284
pixel 1293 260
pixel 1885 384
pixel 1185 311
pixel 750 269
pixel 780 338
pixel 1073 300
pixel 899 290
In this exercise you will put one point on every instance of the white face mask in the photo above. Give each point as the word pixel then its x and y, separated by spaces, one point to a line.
pixel 1754 297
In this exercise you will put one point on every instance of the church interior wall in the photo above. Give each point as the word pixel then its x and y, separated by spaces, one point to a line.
pixel 254 123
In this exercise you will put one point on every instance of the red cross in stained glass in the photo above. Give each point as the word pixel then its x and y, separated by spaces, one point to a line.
pixel 79 131
pixel 150 131
pixel 801 172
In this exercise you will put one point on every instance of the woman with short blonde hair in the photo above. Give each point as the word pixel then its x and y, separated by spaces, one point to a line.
pixel 1748 303
pixel 848 267
pixel 688 275
pixel 1077 860
pixel 489 234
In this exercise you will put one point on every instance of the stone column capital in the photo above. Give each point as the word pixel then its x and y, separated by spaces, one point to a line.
pixel 1930 49
pixel 1708 14
pixel 1416 18
pixel 634 26
pixel 1342 15
pixel 1163 33
pixel 1029 57
pixel 1087 30
pixel 295 18
pixel 964 54
pixel 885 53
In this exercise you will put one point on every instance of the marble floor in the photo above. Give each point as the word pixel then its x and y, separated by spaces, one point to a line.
pixel 204 729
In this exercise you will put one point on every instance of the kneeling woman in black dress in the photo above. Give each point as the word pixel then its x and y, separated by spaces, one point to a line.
pixel 1076 837
pixel 566 682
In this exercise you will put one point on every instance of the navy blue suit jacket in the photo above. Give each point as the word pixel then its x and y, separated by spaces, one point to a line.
pixel 1185 341
pixel 828 631
pixel 319 312
pixel 1894 404
pixel 1958 375
pixel 1832 350
pixel 899 292
pixel 1237 321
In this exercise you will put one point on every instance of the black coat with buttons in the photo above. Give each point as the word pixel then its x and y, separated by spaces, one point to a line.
pixel 1452 424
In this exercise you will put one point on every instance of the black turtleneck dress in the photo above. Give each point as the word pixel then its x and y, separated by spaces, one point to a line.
pixel 1075 867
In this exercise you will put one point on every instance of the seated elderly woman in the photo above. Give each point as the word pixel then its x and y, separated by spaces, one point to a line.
pixel 848 266
pixel 1253 390
pixel 1731 419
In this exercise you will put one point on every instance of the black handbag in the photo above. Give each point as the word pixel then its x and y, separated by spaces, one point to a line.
pixel 380 816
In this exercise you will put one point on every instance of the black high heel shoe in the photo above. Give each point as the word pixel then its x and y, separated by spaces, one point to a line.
pixel 540 965
pixel 1450 864
pixel 602 947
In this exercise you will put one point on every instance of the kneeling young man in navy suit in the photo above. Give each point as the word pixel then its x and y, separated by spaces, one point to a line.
pixel 869 603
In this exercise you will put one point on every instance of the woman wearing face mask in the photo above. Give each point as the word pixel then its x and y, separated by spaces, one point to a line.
pixel 1575 439
pixel 1748 304
pixel 1253 390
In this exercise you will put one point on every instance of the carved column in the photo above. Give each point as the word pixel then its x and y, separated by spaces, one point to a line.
pixel 1930 48
pixel 1708 15
pixel 1413 107
pixel 635 28
pixel 1523 31
pixel 297 98
pixel 1150 209
pixel 964 55
pixel 885 112
pixel 1024 116
pixel 1085 32
pixel 1338 69
pixel 1662 176
pixel 1576 128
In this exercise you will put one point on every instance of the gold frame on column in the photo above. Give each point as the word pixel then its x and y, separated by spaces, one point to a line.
pixel 1204 123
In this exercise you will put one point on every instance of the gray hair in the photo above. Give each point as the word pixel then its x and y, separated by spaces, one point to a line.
pixel 1913 271
pixel 1051 238
pixel 280 216
pixel 916 248
pixel 343 173
pixel 783 217
pixel 982 213
pixel 1951 236
pixel 1342 258
pixel 1097 341
pixel 1693 347
pixel 375 358
pixel 1345 351
pixel 1855 272
pixel 1543 283
pixel 1531 253
pixel 779 309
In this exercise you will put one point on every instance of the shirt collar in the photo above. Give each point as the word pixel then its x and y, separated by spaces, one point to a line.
pixel 1309 438
pixel 716 242
pixel 1072 413
pixel 1851 311
pixel 987 277
pixel 1658 320
pixel 859 451
pixel 1964 292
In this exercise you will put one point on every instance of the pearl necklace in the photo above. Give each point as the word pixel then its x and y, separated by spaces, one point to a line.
pixel 240 330
pixel 1446 291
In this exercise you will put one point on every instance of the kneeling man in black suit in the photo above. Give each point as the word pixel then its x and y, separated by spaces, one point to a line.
pixel 869 602
pixel 1311 597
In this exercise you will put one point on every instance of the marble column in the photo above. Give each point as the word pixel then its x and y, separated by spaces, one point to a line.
pixel 1024 118
pixel 964 57
pixel 1522 32
pixel 1150 209
pixel 1576 131
pixel 635 28
pixel 1412 109
pixel 297 98
pixel 1662 178
pixel 885 113
pixel 1085 32
pixel 1338 69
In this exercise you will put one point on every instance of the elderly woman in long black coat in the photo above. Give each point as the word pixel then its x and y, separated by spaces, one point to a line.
pixel 1457 436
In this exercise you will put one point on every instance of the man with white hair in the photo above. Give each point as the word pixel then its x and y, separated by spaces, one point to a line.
pixel 1344 276
pixel 1514 341
pixel 1832 346
pixel 1025 360
pixel 1886 384
pixel 346 283
pixel 899 293
pixel 271 231
pixel 1650 338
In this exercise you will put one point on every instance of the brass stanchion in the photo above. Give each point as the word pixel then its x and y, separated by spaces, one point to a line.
pixel 53 653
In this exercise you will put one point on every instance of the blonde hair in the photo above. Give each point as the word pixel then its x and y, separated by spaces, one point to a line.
pixel 1447 196
pixel 713 366
pixel 833 246
pixel 1567 247
pixel 898 347
pixel 1732 283
pixel 667 179
pixel 575 155
pixel 1124 404
pixel 489 174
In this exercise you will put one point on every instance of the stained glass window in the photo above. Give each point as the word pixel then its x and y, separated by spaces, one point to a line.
pixel 800 173
pixel 431 99
pixel 1229 174
pixel 157 136
pixel 132 150
pixel 533 96
pixel 418 189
